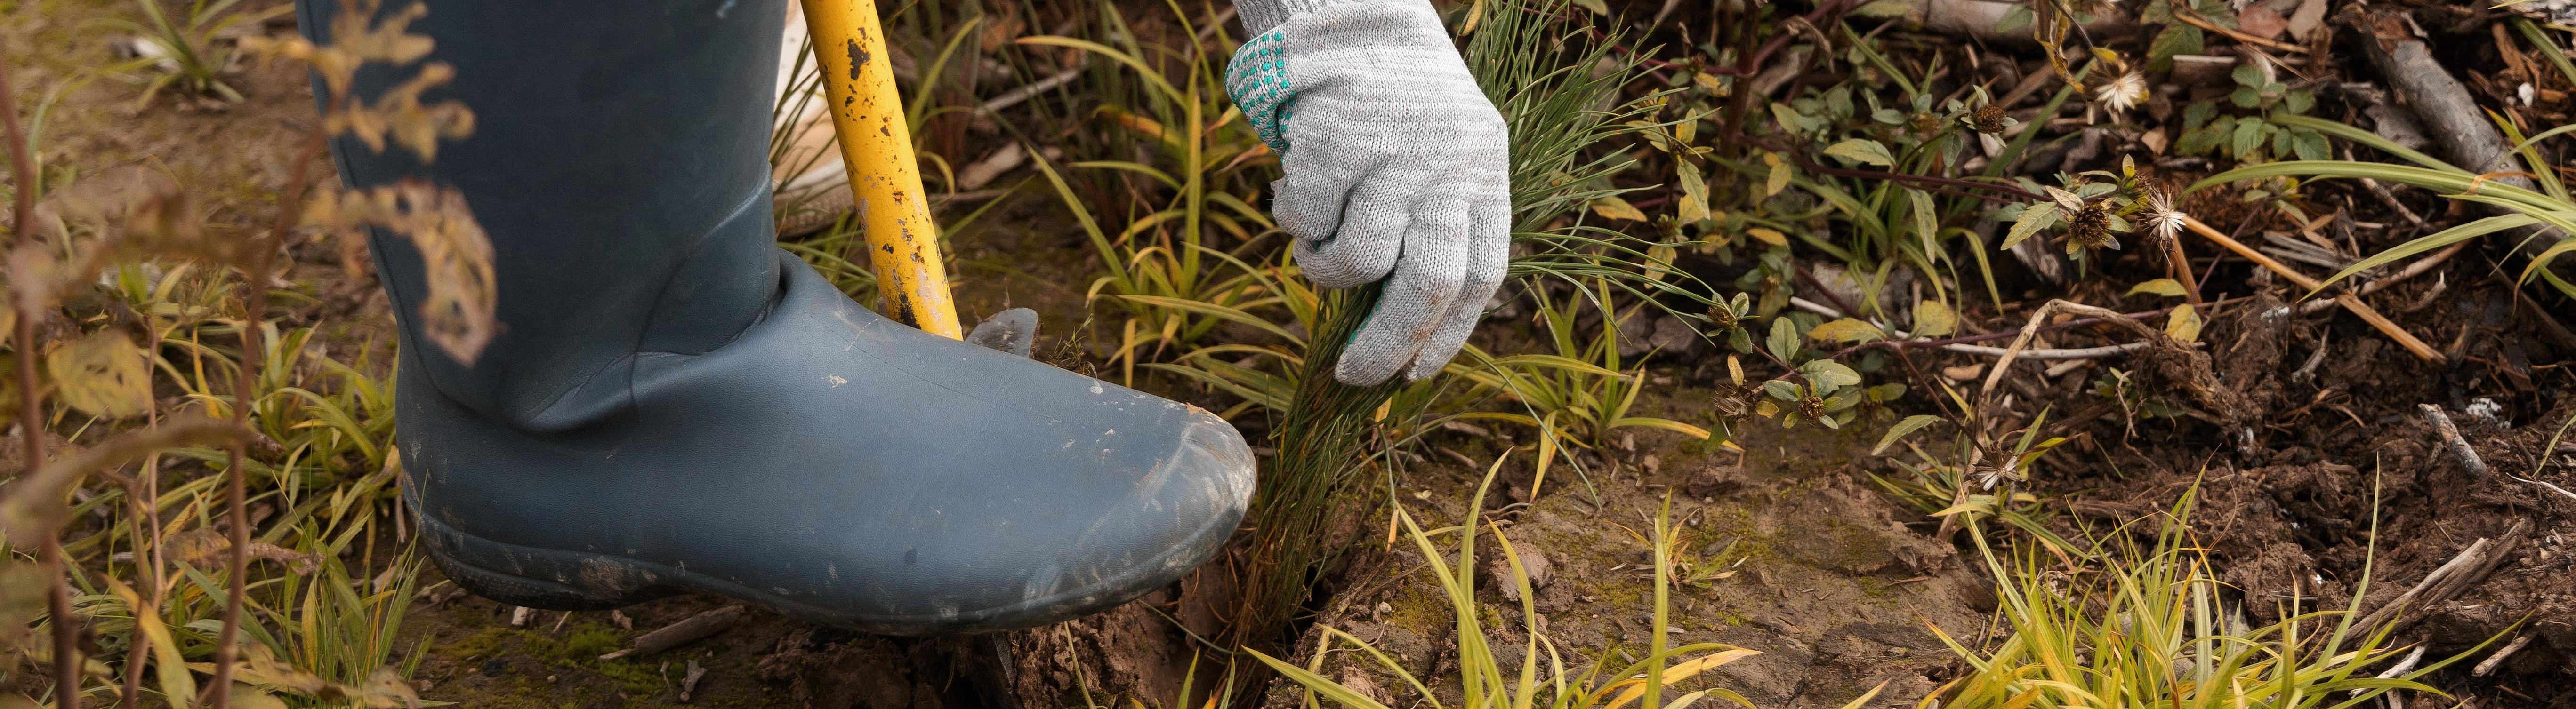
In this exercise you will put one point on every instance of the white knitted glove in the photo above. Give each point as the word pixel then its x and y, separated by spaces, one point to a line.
pixel 1396 163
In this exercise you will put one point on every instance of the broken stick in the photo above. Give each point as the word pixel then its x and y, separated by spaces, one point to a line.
pixel 2349 301
pixel 2451 438
pixel 695 628
pixel 2468 568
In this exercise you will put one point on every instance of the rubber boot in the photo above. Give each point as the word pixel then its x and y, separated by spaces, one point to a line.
pixel 677 405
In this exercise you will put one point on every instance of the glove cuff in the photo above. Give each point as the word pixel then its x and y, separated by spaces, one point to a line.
pixel 1260 16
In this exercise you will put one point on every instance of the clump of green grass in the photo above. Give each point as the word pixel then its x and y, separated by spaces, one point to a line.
pixel 2149 627
pixel 186 49
pixel 1485 680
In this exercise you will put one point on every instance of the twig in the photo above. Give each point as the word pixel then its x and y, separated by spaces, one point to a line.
pixel 2488 666
pixel 2469 567
pixel 2417 268
pixel 1016 96
pixel 2308 371
pixel 2348 300
pixel 2037 317
pixel 2197 21
pixel 31 437
pixel 696 627
pixel 2402 667
pixel 2451 437
pixel 2545 484
pixel 1903 339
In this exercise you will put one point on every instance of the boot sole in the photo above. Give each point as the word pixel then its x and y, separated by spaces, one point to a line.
pixel 550 579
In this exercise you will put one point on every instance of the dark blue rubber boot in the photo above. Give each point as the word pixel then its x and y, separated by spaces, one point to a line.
pixel 678 405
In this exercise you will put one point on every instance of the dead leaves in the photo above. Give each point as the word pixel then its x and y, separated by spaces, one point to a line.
pixel 102 374
pixel 399 115
pixel 458 314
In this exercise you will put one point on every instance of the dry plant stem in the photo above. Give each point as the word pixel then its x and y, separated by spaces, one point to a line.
pixel 2468 568
pixel 2197 21
pixel 689 630
pixel 2489 665
pixel 2038 317
pixel 254 286
pixel 1960 344
pixel 2179 262
pixel 2349 301
pixel 2452 439
pixel 2418 268
pixel 31 415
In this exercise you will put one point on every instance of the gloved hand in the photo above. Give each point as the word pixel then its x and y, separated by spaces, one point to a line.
pixel 1396 164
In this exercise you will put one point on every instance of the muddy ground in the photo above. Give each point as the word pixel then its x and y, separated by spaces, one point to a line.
pixel 2302 419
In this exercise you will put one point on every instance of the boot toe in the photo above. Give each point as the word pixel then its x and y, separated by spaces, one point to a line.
pixel 841 467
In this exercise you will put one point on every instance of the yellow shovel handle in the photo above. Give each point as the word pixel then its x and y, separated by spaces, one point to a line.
pixel 885 180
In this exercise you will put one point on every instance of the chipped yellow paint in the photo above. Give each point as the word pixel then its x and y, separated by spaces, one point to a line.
pixel 885 180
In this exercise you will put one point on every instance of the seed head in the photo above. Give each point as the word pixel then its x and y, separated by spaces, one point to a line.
pixel 2091 228
pixel 1987 119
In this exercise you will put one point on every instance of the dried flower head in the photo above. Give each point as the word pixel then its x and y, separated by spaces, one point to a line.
pixel 1721 317
pixel 1987 119
pixel 1812 406
pixel 2163 221
pixel 2123 93
pixel 2091 228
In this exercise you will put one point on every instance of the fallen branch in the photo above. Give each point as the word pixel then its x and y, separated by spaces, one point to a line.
pixel 2348 300
pixel 2451 438
pixel 1984 19
pixel 2455 120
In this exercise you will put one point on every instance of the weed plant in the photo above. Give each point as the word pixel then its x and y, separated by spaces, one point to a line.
pixel 2141 626
pixel 1484 678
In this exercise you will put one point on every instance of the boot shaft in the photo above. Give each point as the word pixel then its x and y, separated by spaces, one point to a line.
pixel 619 164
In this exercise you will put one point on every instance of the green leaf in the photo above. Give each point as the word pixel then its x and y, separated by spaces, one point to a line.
pixel 1933 318
pixel 2437 240
pixel 2033 219
pixel 2161 286
pixel 2247 75
pixel 2248 138
pixel 1927 219
pixel 1788 117
pixel 1862 150
pixel 1598 7
pixel 1784 340
pixel 2310 145
pixel 2016 19
pixel 1902 429
pixel 1740 340
pixel 1845 330
pixel 1827 374
pixel 1781 389
pixel 1693 207
pixel 2298 101
pixel 2175 39
pixel 1885 9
